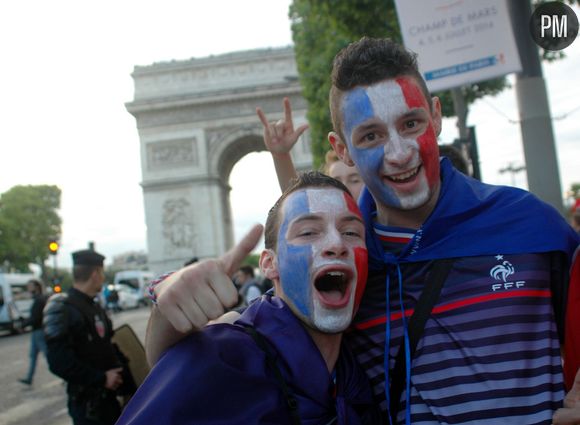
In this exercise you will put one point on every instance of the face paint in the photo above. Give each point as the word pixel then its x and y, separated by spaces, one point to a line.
pixel 390 136
pixel 322 258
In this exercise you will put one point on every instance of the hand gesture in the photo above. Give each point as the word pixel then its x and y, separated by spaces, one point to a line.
pixel 570 414
pixel 201 292
pixel 113 378
pixel 280 136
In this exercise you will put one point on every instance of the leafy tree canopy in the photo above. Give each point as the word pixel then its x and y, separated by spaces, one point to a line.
pixel 28 221
pixel 320 28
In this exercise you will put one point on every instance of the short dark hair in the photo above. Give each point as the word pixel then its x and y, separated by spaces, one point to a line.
pixel 246 269
pixel 366 62
pixel 36 283
pixel 303 181
pixel 82 273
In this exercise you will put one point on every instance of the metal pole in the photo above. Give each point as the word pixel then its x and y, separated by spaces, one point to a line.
pixel 54 274
pixel 535 119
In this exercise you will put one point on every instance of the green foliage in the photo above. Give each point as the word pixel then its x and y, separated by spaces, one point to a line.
pixel 28 220
pixel 252 260
pixel 574 191
pixel 320 28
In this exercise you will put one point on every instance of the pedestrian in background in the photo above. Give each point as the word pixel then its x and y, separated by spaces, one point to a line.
pixel 37 342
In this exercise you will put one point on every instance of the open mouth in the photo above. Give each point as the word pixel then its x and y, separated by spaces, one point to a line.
pixel 333 286
pixel 404 177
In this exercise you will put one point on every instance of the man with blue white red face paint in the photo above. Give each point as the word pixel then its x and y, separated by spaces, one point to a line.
pixel 282 361
pixel 490 349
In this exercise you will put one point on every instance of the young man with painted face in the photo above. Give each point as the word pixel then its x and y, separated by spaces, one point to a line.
pixel 490 351
pixel 316 257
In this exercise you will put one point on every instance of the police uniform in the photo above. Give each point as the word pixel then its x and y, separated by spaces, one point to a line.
pixel 78 334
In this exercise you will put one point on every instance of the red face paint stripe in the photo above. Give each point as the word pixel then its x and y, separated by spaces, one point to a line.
pixel 414 98
pixel 361 264
pixel 351 204
pixel 539 293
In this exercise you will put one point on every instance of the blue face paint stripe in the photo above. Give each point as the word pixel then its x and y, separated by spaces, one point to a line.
pixel 357 108
pixel 294 260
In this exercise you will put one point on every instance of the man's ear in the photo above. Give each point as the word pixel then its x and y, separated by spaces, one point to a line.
pixel 436 114
pixel 340 148
pixel 269 264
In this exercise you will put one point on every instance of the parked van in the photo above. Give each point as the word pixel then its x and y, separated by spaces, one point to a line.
pixel 15 300
pixel 134 280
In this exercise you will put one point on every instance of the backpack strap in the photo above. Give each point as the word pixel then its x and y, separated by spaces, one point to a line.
pixel 291 401
pixel 433 284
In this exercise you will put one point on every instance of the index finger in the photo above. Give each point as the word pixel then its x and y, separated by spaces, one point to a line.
pixel 232 259
pixel 262 117
pixel 288 111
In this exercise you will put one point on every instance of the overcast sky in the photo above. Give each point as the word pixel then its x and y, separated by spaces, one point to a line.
pixel 66 75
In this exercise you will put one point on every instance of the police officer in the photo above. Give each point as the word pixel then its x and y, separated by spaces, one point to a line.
pixel 78 334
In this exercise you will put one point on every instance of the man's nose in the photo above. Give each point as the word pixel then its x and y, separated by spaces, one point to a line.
pixel 398 151
pixel 334 245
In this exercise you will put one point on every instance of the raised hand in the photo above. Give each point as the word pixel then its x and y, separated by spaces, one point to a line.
pixel 201 292
pixel 280 136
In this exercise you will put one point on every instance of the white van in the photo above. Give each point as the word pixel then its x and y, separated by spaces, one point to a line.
pixel 134 280
pixel 15 300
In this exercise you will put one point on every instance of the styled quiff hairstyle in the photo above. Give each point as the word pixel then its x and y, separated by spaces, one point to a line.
pixel 366 62
pixel 307 180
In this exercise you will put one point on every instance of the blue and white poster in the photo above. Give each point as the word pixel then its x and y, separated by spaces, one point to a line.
pixel 459 42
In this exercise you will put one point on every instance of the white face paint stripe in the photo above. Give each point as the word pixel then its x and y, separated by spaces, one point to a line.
pixel 389 102
pixel 323 200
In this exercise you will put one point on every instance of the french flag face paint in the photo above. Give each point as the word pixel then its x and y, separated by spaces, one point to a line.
pixel 391 138
pixel 322 257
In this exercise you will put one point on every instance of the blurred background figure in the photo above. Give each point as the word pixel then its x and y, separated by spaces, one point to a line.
pixel 456 158
pixel 37 342
pixel 192 260
pixel 348 176
pixel 248 287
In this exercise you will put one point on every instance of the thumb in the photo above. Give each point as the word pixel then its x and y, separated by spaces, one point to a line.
pixel 301 130
pixel 232 259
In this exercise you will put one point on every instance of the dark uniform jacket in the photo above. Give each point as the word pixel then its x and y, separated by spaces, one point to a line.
pixel 79 349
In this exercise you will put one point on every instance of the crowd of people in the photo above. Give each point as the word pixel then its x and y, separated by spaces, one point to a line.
pixel 403 291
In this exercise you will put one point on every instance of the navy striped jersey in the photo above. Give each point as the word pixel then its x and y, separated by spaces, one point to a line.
pixel 490 352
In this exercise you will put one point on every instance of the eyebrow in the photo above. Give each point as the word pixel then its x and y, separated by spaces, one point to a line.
pixel 314 217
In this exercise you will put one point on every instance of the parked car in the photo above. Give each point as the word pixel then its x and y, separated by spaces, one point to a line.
pixel 15 300
pixel 136 279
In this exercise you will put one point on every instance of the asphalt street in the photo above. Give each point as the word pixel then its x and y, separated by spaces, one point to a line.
pixel 43 403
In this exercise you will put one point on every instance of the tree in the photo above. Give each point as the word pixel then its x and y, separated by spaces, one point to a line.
pixel 28 221
pixel 320 28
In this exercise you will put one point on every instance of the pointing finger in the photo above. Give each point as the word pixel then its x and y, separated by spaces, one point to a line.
pixel 232 259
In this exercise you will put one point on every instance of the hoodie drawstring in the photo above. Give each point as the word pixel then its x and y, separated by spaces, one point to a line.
pixel 405 346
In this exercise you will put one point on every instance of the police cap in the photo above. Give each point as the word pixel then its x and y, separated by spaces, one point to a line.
pixel 87 257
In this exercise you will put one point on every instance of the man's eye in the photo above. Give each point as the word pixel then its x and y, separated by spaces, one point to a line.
pixel 411 124
pixel 306 233
pixel 352 232
pixel 369 137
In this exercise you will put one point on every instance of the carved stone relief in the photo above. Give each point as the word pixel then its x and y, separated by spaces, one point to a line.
pixel 172 153
pixel 178 229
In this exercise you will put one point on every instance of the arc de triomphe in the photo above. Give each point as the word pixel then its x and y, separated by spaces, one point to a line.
pixel 196 118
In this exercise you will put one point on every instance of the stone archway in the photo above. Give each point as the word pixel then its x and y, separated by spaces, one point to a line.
pixel 196 119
